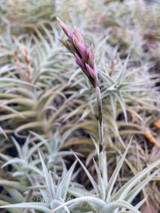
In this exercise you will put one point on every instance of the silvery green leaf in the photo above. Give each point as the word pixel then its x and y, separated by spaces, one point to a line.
pixel 114 176
pixel 101 183
pixel 62 187
pixel 31 205
pixel 13 184
pixel 48 179
pixel 140 204
pixel 19 150
pixel 123 70
pixel 57 203
pixel 122 193
pixel 5 157
pixel 15 161
pixel 45 196
pixel 103 160
pixel 18 197
pixel 33 168
pixel 79 201
pixel 134 192
pixel 34 148
pixel 114 105
pixel 11 210
pixel 112 206
pixel 78 192
pixel 94 184
pixel 122 103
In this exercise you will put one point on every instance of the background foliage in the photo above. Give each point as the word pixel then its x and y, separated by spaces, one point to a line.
pixel 47 104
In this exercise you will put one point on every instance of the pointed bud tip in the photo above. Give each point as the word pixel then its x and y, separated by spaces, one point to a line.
pixel 58 19
pixel 78 35
pixel 75 28
pixel 92 50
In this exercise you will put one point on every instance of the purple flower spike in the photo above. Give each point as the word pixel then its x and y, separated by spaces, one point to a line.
pixel 78 35
pixel 83 51
pixel 77 47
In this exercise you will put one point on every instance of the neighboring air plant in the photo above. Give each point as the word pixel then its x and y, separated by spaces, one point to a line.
pixel 85 61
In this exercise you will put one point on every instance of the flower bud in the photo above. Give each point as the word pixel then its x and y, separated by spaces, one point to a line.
pixel 90 60
pixel 78 35
pixel 64 43
pixel 70 35
pixel 80 63
pixel 91 71
pixel 75 41
pixel 63 26
pixel 71 48
pixel 83 51
pixel 92 50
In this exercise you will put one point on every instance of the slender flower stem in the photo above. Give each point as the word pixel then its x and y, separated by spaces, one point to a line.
pixel 101 151
pixel 99 103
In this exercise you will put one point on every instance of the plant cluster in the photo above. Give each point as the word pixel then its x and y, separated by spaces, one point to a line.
pixel 56 153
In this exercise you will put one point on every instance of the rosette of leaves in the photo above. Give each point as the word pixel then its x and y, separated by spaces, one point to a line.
pixel 59 197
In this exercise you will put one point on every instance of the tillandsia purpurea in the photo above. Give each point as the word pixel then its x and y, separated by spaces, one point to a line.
pixel 85 60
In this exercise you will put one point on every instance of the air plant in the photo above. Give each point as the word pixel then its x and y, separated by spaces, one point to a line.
pixel 128 91
pixel 85 60
pixel 67 197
